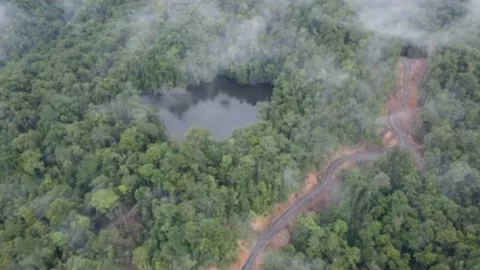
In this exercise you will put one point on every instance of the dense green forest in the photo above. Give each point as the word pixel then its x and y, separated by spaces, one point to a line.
pixel 391 216
pixel 90 180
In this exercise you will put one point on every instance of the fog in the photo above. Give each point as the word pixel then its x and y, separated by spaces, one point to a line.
pixel 238 39
pixel 2 13
pixel 421 21
pixel 270 39
pixel 3 26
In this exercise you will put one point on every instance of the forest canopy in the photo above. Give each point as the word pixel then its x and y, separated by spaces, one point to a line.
pixel 90 179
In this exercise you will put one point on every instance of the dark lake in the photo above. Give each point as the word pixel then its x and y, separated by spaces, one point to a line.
pixel 220 106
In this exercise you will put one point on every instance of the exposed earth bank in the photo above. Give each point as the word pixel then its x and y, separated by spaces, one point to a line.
pixel 404 118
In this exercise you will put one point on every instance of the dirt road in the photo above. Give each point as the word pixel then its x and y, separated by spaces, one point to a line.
pixel 300 204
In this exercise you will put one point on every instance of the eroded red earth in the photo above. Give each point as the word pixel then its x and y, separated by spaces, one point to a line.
pixel 408 117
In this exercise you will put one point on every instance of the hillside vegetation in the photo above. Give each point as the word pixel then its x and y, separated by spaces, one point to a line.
pixel 90 180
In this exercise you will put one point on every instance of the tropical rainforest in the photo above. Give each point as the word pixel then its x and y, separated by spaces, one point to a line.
pixel 90 179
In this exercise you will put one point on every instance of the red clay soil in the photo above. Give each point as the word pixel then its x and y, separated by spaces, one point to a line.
pixel 280 240
pixel 328 195
pixel 418 68
pixel 261 223
pixel 321 202
pixel 388 139
pixel 407 118
pixel 243 253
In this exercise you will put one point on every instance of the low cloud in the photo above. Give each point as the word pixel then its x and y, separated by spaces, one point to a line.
pixel 218 37
pixel 439 22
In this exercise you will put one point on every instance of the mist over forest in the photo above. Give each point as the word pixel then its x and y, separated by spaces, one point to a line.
pixel 91 178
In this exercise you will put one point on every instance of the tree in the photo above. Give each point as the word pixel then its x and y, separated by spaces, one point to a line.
pixel 104 200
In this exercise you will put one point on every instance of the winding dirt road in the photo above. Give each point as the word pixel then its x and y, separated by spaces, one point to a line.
pixel 296 208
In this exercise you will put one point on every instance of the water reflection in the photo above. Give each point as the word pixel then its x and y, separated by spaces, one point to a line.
pixel 220 106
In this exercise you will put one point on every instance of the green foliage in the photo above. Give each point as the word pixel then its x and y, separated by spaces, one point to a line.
pixel 378 225
pixel 90 179
pixel 104 200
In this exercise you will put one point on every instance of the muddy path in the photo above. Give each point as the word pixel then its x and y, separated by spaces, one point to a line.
pixel 402 138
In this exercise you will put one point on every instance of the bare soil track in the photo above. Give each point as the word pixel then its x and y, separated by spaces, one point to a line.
pixel 399 130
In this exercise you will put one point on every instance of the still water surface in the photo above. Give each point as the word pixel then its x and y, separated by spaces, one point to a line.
pixel 220 106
